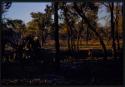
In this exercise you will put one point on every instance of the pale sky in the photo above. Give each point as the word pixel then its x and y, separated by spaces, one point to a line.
pixel 22 11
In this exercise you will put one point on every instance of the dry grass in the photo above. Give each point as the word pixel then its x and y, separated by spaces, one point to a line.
pixel 83 45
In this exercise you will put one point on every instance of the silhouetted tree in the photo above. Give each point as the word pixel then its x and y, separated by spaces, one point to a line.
pixel 113 28
pixel 57 45
pixel 82 14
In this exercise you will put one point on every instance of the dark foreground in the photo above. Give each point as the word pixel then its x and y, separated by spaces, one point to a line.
pixel 86 72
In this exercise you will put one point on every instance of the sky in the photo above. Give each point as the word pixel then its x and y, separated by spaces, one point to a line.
pixel 102 12
pixel 22 11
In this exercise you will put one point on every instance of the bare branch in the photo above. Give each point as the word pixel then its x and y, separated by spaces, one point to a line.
pixel 106 5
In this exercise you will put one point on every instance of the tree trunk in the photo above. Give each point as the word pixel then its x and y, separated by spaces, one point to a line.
pixel 78 41
pixel 117 19
pixel 68 41
pixel 113 29
pixel 69 30
pixel 123 28
pixel 87 36
pixel 42 39
pixel 57 45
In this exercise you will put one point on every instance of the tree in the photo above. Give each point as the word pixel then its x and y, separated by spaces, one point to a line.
pixel 42 23
pixel 57 45
pixel 113 29
pixel 4 6
pixel 17 25
pixel 39 19
pixel 118 25
pixel 87 21
pixel 71 22
pixel 114 10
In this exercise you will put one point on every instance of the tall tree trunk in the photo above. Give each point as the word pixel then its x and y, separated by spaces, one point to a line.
pixel 123 28
pixel 78 42
pixel 87 36
pixel 42 39
pixel 117 21
pixel 68 41
pixel 1 24
pixel 79 35
pixel 42 32
pixel 113 29
pixel 57 45
pixel 69 29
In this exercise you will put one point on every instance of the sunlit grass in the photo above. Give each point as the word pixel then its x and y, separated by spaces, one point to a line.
pixel 82 45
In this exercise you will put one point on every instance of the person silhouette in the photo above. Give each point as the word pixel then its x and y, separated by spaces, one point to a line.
pixel 36 44
pixel 36 49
